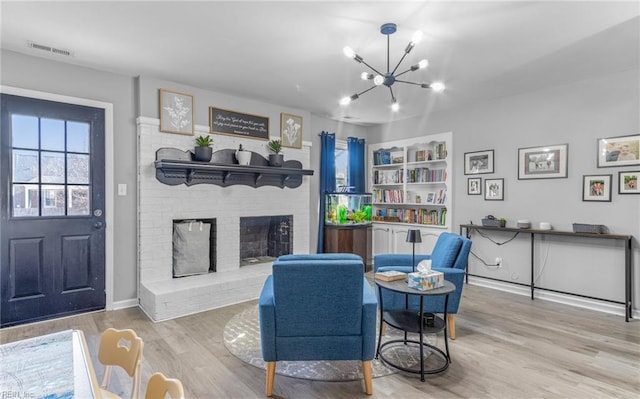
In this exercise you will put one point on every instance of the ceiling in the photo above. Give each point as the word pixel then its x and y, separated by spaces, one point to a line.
pixel 290 53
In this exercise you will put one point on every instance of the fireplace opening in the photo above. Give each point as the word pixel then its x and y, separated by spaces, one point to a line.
pixel 264 238
pixel 194 247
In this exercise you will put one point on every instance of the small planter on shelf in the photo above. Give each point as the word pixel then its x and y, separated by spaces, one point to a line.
pixel 275 158
pixel 203 151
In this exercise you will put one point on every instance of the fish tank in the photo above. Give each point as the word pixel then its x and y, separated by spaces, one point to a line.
pixel 348 209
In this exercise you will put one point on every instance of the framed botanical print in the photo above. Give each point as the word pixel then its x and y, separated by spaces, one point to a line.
pixel 546 162
pixel 479 162
pixel 176 112
pixel 291 130
pixel 596 188
pixel 619 151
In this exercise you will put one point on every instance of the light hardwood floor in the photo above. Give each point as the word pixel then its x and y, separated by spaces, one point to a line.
pixel 507 346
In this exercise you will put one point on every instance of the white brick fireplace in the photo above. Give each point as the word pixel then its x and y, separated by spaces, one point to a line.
pixel 164 297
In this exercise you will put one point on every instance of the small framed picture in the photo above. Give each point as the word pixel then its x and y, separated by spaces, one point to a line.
pixel 619 151
pixel 628 182
pixel 596 188
pixel 176 112
pixel 546 162
pixel 291 130
pixel 479 162
pixel 474 186
pixel 494 189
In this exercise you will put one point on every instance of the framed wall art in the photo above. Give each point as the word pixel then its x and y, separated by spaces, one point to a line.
pixel 619 151
pixel 291 130
pixel 224 121
pixel 494 189
pixel 628 182
pixel 479 162
pixel 546 162
pixel 596 188
pixel 176 112
pixel 474 186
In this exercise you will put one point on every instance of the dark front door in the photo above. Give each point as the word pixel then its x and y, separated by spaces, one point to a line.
pixel 52 237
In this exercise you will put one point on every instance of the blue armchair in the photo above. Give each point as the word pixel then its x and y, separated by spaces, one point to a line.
pixel 449 256
pixel 318 307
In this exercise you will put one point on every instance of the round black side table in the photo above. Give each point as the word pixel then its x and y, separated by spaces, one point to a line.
pixel 411 322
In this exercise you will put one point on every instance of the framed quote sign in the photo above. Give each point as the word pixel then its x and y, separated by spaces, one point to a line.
pixel 224 121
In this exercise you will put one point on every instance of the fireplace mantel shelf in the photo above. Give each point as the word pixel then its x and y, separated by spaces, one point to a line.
pixel 174 167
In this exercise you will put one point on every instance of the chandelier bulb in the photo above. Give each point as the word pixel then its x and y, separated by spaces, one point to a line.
pixel 348 51
pixel 378 80
pixel 417 37
pixel 395 106
pixel 423 64
pixel 438 87
pixel 345 100
pixel 366 76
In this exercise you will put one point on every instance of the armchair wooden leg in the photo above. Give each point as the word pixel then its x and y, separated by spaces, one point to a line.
pixel 451 325
pixel 368 377
pixel 384 328
pixel 271 373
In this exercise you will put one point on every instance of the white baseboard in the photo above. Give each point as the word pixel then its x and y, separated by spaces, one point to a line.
pixel 591 304
pixel 128 303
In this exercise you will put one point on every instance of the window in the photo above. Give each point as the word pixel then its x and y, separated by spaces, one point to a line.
pixel 342 162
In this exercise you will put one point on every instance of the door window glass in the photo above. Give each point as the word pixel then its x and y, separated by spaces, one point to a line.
pixel 52 134
pixel 50 167
pixel 24 131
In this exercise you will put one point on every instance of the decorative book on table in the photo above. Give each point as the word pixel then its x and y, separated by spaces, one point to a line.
pixel 390 275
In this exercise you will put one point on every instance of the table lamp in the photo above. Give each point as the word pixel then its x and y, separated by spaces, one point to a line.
pixel 413 236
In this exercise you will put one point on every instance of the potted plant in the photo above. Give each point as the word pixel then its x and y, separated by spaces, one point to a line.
pixel 275 159
pixel 203 149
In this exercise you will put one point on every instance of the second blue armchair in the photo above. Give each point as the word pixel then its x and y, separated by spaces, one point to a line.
pixel 449 256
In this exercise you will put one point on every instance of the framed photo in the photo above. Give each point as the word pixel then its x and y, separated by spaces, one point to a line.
pixel 596 188
pixel 477 163
pixel 474 186
pixel 176 112
pixel 628 182
pixel 291 130
pixel 547 162
pixel 619 151
pixel 494 189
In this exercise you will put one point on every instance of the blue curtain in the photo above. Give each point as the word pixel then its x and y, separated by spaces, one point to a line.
pixel 327 179
pixel 355 169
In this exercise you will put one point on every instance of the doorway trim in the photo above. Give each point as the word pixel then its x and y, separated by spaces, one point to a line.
pixel 108 170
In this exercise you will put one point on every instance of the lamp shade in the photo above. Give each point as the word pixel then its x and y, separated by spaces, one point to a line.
pixel 413 236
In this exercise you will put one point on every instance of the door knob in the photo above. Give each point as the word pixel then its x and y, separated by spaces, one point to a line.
pixel 98 225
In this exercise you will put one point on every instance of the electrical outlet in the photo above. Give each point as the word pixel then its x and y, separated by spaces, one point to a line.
pixel 499 262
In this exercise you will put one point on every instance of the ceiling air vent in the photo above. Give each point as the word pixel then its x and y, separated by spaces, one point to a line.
pixel 49 49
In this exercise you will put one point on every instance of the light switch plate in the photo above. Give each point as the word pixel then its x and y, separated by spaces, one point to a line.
pixel 122 189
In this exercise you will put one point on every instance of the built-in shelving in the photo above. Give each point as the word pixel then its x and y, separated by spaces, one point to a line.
pixel 174 167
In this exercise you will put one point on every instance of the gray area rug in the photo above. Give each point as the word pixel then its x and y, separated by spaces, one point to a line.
pixel 242 339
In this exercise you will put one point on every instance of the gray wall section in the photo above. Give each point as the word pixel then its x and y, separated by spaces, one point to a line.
pixel 54 77
pixel 578 114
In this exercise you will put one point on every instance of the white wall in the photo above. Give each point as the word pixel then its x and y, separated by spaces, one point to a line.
pixel 578 114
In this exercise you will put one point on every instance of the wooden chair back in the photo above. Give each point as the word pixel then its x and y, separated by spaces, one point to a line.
pixel 121 348
pixel 159 386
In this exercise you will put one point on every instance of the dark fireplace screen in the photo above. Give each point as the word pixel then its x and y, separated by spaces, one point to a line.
pixel 264 238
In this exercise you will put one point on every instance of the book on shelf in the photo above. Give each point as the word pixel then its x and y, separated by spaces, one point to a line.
pixel 397 157
pixel 390 275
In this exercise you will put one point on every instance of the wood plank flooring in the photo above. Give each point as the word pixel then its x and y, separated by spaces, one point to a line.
pixel 507 346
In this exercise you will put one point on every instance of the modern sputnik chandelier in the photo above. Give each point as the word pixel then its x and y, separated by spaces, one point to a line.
pixel 390 77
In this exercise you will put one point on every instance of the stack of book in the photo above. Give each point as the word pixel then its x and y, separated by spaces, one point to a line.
pixel 390 275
